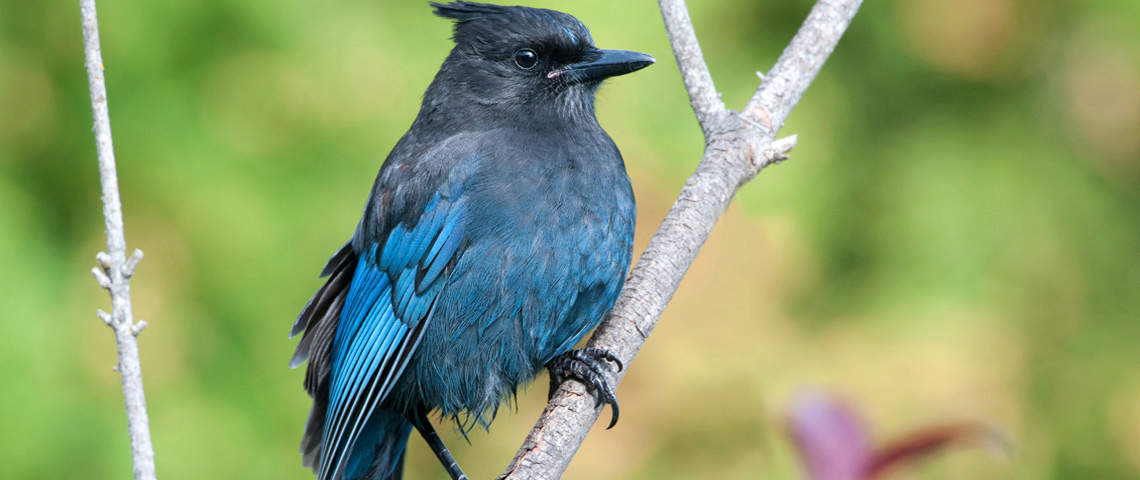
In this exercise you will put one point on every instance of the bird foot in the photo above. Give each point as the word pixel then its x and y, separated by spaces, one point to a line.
pixel 586 365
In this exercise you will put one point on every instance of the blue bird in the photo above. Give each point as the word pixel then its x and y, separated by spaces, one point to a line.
pixel 498 232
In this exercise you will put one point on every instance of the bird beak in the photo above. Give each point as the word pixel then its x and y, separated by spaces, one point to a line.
pixel 602 64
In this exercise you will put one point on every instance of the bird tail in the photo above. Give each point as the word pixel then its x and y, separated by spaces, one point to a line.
pixel 379 451
pixel 319 321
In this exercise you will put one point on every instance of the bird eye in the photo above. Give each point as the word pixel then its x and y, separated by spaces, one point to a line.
pixel 526 58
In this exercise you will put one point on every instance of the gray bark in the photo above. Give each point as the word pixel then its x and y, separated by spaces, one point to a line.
pixel 737 146
pixel 115 269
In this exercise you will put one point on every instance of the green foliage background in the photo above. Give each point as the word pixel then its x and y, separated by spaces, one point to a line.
pixel 955 238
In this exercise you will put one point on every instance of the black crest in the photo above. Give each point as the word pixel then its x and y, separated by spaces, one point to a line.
pixel 489 25
pixel 466 11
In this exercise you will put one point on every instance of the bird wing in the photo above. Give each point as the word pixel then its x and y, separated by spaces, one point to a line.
pixel 388 306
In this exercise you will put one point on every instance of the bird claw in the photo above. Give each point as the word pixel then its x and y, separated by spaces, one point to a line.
pixel 587 365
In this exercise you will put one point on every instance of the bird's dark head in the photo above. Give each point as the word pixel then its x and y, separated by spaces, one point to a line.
pixel 509 56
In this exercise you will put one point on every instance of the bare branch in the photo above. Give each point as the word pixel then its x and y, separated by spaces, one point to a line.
pixel 737 147
pixel 114 269
pixel 782 88
pixel 703 95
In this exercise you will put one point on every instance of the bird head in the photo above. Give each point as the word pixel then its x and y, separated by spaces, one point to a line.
pixel 520 55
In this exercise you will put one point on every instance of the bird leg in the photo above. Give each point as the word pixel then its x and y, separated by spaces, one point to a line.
pixel 428 432
pixel 586 365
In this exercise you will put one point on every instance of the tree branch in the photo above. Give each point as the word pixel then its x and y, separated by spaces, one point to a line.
pixel 782 88
pixel 703 96
pixel 114 268
pixel 737 147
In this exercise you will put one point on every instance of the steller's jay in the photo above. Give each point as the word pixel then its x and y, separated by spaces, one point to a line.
pixel 498 233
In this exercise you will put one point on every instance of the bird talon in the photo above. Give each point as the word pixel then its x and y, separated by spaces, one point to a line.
pixel 587 366
pixel 603 353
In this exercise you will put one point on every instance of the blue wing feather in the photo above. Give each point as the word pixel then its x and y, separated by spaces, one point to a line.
pixel 389 300
pixel 445 246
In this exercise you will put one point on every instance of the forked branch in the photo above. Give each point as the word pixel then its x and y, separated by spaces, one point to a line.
pixel 737 146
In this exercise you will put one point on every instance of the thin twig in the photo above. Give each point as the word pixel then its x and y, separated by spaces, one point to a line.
pixel 738 146
pixel 782 88
pixel 114 270
pixel 703 96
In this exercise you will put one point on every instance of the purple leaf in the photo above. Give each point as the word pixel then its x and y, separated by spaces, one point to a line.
pixel 830 436
pixel 834 444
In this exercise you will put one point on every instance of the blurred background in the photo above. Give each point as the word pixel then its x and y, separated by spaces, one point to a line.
pixel 955 238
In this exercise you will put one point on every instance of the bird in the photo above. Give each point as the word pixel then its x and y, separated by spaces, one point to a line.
pixel 497 233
